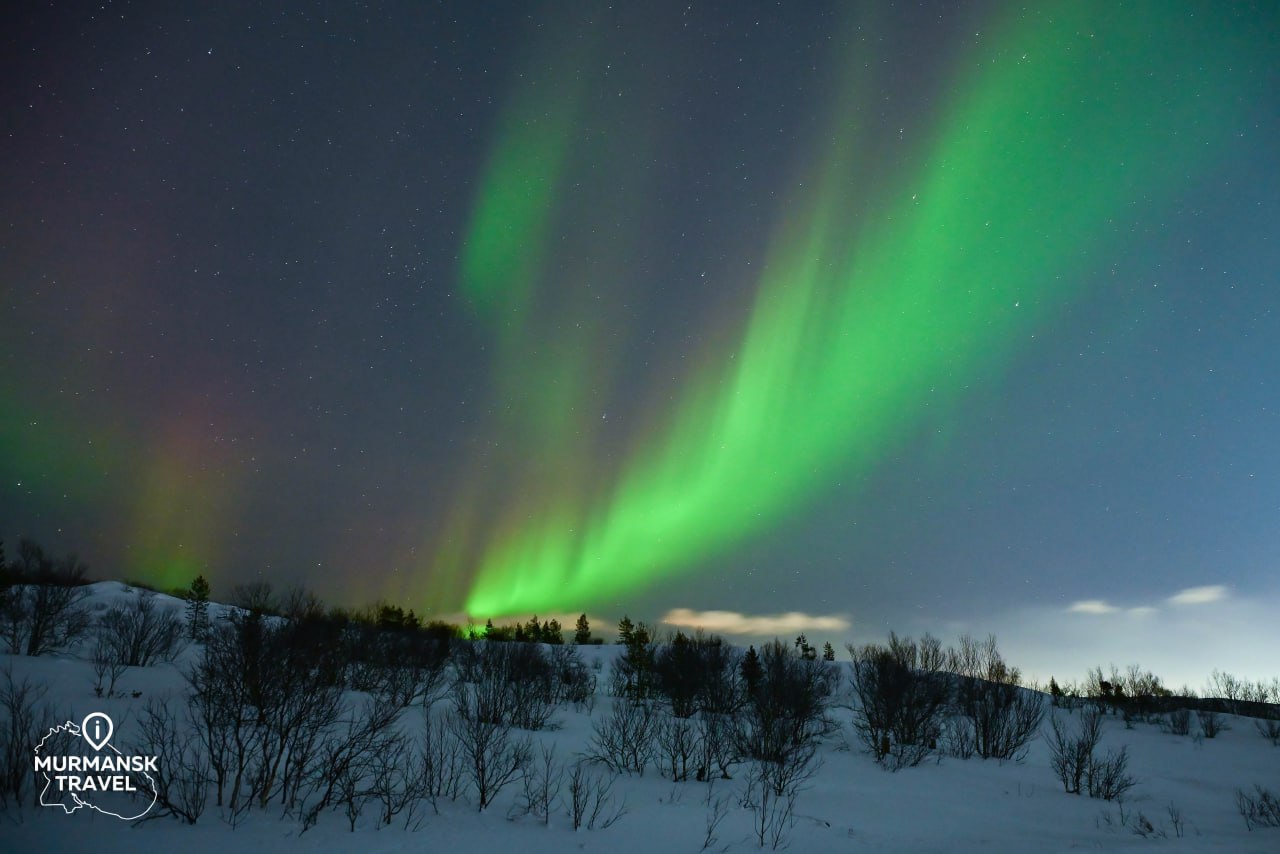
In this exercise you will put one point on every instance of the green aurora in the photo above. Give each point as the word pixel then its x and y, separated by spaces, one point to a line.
pixel 856 331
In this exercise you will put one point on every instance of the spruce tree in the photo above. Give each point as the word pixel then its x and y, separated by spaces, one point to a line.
pixel 198 608
pixel 828 652
pixel 626 631
pixel 582 632
pixel 551 632
pixel 752 671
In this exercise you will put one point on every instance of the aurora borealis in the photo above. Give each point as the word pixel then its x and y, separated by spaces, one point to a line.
pixel 932 317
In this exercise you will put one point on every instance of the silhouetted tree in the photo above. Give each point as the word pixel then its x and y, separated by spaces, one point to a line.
pixel 198 608
pixel 551 632
pixel 582 631
pixel 751 671
pixel 43 610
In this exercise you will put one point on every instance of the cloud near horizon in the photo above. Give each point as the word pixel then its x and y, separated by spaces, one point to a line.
pixel 1092 606
pixel 1199 595
pixel 1189 596
pixel 733 622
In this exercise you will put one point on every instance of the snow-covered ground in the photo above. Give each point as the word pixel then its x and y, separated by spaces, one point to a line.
pixel 851 804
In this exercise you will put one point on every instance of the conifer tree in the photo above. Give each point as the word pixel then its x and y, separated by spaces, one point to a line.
pixel 626 631
pixel 582 632
pixel 752 671
pixel 551 632
pixel 198 608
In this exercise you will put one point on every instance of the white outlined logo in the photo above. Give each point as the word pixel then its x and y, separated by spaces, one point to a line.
pixel 101 778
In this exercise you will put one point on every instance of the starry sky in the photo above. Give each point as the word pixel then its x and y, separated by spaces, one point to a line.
pixel 816 317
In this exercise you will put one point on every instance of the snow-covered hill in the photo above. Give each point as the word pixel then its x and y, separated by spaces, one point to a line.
pixel 1185 797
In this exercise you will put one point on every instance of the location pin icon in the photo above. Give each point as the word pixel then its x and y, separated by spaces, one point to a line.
pixel 96 729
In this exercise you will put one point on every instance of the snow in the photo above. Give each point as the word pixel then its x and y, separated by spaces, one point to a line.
pixel 852 804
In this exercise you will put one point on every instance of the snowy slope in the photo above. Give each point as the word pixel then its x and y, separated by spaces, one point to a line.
pixel 851 805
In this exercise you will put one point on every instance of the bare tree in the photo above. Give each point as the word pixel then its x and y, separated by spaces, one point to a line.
pixel 1260 809
pixel 1003 716
pixel 771 790
pixel 624 739
pixel 541 783
pixel 138 633
pixel 1070 755
pixel 493 758
pixel 786 705
pixel 677 745
pixel 182 774
pixel 1211 722
pixel 21 723
pixel 900 706
pixel 108 666
pixel 441 762
pixel 1180 721
pixel 44 610
pixel 590 803
pixel 1073 759
pixel 395 780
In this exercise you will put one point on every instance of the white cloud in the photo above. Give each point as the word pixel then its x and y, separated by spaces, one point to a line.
pixel 1092 606
pixel 732 622
pixel 1142 611
pixel 1199 595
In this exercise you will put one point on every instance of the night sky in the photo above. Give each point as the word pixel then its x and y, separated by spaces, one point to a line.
pixel 833 318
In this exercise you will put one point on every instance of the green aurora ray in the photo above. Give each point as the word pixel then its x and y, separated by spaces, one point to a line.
pixel 858 329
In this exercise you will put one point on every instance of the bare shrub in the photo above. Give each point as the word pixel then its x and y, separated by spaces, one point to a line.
pixel 1269 729
pixel 717 734
pixel 509 683
pixel 957 738
pixel 1003 716
pixel 623 740
pixel 1231 689
pixel 1211 722
pixel 20 728
pixel 1176 821
pixel 785 706
pixel 263 701
pixel 108 666
pixel 716 812
pixel 1108 778
pixel 138 634
pixel 1071 755
pixel 182 774
pixel 441 762
pixel 591 802
pixel 1179 722
pixel 677 746
pixel 43 609
pixel 771 790
pixel 395 781
pixel 331 772
pixel 541 786
pixel 492 757
pixel 1260 809
pixel 256 597
pixel 900 704
pixel 573 681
